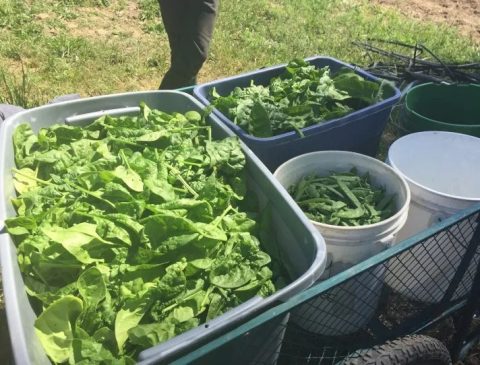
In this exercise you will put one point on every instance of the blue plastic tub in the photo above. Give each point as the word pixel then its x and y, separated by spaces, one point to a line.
pixel 359 131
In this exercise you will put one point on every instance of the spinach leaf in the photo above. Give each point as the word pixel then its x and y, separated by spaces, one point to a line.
pixel 229 273
pixel 91 287
pixel 55 327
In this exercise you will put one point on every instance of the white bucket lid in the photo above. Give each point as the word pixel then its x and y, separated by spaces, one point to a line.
pixel 446 164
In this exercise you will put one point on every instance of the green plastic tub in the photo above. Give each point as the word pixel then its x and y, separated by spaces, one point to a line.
pixel 438 107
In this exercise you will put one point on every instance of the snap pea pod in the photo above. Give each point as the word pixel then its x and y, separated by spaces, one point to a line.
pixel 343 198
pixel 349 193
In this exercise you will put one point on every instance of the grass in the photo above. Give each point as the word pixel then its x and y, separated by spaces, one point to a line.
pixel 101 47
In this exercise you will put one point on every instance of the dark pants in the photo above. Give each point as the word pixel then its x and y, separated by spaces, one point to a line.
pixel 189 26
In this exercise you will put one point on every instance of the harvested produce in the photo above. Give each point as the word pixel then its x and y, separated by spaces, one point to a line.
pixel 342 199
pixel 132 230
pixel 301 96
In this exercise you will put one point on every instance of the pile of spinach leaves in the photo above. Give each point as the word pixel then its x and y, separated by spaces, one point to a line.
pixel 301 96
pixel 131 231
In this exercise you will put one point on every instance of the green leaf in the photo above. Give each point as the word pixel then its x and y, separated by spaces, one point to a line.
pixel 88 351
pixel 92 287
pixel 238 222
pixel 24 143
pixel 211 231
pixel 125 320
pixel 106 337
pixel 260 125
pixel 218 305
pixel 357 87
pixel 116 193
pixel 153 136
pixel 183 314
pixel 19 226
pixel 25 180
pixel 161 189
pixel 54 327
pixel 202 264
pixel 193 116
pixel 226 155
pixel 197 210
pixel 230 273
pixel 301 96
pixel 129 178
pixel 55 267
pixel 126 221
pixel 160 226
pixel 45 293
pixel 75 239
pixel 112 232
pixel 148 335
pixel 65 134
pixel 173 282
pixel 341 198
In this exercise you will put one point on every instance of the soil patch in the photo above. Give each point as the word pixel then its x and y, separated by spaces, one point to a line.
pixel 102 23
pixel 461 14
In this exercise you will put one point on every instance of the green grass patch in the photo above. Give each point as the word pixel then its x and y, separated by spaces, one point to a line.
pixel 97 47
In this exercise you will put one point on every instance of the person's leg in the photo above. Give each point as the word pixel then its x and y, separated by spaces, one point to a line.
pixel 173 17
pixel 189 39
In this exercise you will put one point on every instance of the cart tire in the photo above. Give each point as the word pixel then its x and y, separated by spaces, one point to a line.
pixel 409 350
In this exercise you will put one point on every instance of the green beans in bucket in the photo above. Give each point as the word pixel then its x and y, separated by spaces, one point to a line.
pixel 343 199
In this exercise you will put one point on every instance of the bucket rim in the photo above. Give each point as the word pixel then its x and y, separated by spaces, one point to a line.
pixel 401 211
pixel 435 121
pixel 421 186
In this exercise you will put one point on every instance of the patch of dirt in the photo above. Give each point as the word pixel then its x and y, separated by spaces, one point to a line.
pixel 461 14
pixel 103 22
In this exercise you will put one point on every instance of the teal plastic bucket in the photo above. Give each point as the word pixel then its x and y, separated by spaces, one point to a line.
pixel 438 107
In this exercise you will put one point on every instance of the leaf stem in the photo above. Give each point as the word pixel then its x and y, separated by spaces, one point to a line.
pixel 183 299
pixel 182 180
pixel 91 193
pixel 124 158
pixel 32 178
pixel 218 219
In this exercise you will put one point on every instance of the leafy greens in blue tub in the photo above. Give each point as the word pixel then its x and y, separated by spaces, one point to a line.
pixel 131 231
pixel 301 96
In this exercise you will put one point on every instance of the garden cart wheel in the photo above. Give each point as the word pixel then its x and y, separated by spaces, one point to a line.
pixel 409 350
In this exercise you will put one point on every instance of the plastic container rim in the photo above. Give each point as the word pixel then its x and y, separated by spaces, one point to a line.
pixel 397 215
pixel 446 124
pixel 416 184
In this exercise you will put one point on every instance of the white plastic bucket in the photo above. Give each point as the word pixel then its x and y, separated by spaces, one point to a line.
pixel 443 172
pixel 353 307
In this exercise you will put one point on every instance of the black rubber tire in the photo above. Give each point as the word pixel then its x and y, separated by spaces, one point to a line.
pixel 409 350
